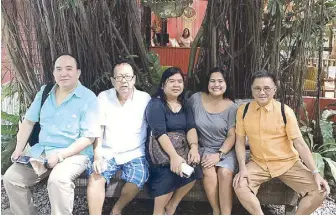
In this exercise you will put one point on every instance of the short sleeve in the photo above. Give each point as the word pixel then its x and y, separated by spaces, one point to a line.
pixel 33 113
pixel 240 130
pixel 190 116
pixel 156 117
pixel 192 100
pixel 292 127
pixel 147 99
pixel 89 125
pixel 102 108
pixel 232 116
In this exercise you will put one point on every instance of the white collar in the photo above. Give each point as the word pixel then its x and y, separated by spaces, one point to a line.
pixel 113 95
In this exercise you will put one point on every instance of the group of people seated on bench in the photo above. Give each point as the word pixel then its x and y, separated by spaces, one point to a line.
pixel 167 141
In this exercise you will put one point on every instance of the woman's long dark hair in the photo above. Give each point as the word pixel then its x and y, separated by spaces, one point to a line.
pixel 225 73
pixel 165 76
pixel 188 32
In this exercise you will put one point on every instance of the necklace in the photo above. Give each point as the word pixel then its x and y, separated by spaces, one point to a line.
pixel 174 106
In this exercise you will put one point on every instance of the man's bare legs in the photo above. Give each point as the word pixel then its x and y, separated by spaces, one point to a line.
pixel 310 202
pixel 96 194
pixel 248 199
pixel 128 193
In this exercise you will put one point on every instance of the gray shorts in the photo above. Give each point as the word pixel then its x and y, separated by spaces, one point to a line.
pixel 230 161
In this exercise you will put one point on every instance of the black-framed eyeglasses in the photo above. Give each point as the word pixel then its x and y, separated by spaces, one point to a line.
pixel 121 77
pixel 266 89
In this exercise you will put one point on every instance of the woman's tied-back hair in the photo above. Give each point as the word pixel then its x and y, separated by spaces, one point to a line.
pixel 165 76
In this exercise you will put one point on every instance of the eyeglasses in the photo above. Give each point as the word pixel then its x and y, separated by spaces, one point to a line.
pixel 266 89
pixel 120 78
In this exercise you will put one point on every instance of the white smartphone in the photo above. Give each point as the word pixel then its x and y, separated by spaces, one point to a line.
pixel 187 170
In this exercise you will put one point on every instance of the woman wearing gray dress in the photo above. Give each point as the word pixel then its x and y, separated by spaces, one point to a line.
pixel 215 113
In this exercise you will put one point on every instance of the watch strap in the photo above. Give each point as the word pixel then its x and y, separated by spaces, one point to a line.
pixel 315 171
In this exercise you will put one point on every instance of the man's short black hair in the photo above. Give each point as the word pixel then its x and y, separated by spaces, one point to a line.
pixel 66 54
pixel 264 73
pixel 122 61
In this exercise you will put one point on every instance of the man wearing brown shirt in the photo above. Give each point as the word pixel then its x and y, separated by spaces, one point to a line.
pixel 277 148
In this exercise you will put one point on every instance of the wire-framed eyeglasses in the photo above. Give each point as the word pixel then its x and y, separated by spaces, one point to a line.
pixel 266 89
pixel 121 77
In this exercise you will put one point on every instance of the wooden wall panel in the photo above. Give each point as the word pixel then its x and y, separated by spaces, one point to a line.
pixel 174 56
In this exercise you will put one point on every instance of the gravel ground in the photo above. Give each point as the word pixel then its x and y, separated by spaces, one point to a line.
pixel 142 207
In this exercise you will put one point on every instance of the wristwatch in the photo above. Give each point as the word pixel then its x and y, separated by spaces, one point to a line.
pixel 315 171
pixel 60 158
pixel 221 155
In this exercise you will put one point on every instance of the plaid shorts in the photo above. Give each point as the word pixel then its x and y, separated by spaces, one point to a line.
pixel 134 171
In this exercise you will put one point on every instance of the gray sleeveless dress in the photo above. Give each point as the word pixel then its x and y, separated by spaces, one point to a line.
pixel 212 129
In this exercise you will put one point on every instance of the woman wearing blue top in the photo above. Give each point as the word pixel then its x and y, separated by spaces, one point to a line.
pixel 167 112
pixel 215 114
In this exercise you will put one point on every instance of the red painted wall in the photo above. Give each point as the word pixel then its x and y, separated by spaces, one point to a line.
pixel 175 26
pixel 309 101
pixel 171 56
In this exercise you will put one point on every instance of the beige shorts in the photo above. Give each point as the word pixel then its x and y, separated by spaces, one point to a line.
pixel 298 177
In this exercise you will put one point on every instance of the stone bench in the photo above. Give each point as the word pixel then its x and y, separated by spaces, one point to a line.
pixel 273 192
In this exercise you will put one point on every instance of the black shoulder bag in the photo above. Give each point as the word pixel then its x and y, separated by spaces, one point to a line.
pixel 34 136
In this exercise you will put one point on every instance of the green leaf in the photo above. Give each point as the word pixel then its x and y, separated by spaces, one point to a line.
pixel 306 129
pixel 332 166
pixel 9 146
pixel 10 130
pixel 309 139
pixel 131 56
pixel 8 90
pixel 328 150
pixel 155 68
pixel 327 114
pixel 319 162
pixel 327 131
pixel 14 119
pixel 326 146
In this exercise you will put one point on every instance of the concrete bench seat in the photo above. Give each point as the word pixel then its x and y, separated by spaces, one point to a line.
pixel 273 192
